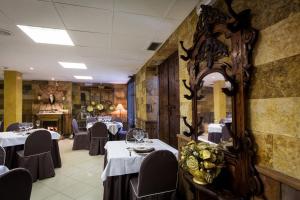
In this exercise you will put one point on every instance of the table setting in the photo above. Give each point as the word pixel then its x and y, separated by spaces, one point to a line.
pixel 123 160
pixel 113 127
pixel 125 157
pixel 14 141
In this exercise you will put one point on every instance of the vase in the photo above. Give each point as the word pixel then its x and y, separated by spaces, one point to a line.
pixel 199 180
pixel 198 177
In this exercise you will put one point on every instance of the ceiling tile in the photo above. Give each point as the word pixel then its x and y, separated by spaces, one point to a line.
pixel 104 4
pixel 29 12
pixel 135 25
pixel 144 7
pixel 86 19
pixel 181 9
pixel 92 52
pixel 110 57
pixel 90 39
pixel 131 54
pixel 126 42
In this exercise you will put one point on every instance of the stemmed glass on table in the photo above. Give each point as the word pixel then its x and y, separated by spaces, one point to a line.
pixel 139 135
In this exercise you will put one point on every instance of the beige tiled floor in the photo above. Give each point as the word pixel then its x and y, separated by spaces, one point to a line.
pixel 79 177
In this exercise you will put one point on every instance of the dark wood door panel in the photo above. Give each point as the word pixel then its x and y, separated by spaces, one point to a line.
pixel 163 103
pixel 169 116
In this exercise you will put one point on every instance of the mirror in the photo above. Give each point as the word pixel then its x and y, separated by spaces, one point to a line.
pixel 214 108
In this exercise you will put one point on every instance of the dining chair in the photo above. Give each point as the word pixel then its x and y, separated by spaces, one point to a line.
pixel 13 127
pixel 15 184
pixel 2 155
pixel 226 132
pixel 99 137
pixel 157 178
pixel 36 156
pixel 81 139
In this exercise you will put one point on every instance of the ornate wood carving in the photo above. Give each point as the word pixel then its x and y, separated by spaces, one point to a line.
pixel 207 55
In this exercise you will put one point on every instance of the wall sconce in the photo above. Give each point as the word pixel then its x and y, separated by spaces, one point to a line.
pixel 39 97
pixel 63 98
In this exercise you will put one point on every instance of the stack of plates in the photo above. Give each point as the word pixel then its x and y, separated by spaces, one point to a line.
pixel 143 149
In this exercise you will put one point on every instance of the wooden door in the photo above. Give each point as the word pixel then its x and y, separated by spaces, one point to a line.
pixel 163 103
pixel 169 116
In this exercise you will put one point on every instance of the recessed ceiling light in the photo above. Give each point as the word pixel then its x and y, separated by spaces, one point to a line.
pixel 70 65
pixel 31 68
pixel 84 77
pixel 47 35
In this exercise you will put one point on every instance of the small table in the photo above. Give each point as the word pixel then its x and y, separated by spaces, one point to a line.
pixel 112 127
pixel 3 169
pixel 215 133
pixel 120 166
pixel 14 141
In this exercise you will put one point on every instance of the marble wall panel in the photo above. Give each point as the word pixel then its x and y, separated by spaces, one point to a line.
pixel 279 116
pixel 286 155
pixel 276 79
pixel 278 41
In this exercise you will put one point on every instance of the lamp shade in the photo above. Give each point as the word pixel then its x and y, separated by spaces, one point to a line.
pixel 120 107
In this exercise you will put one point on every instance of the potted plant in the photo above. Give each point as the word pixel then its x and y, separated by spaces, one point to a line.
pixel 202 160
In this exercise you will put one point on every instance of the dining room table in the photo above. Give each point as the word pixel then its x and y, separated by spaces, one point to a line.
pixel 3 169
pixel 14 141
pixel 215 132
pixel 112 127
pixel 122 162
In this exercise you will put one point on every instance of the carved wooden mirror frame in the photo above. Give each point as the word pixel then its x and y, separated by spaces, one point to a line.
pixel 202 58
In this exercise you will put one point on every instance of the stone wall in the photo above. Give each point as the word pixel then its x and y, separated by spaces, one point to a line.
pixel 274 97
pixel 146 96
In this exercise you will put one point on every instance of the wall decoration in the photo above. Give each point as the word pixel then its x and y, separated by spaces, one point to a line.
pixel 223 44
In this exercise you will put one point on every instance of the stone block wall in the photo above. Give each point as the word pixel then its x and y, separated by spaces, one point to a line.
pixel 274 97
pixel 146 81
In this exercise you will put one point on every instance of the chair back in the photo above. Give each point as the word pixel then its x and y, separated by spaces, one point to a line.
pixel 2 155
pixel 75 128
pixel 38 142
pixel 15 184
pixel 99 129
pixel 91 120
pixel 13 127
pixel 226 132
pixel 158 173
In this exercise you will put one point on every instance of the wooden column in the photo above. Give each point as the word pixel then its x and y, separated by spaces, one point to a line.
pixel 12 97
pixel 219 101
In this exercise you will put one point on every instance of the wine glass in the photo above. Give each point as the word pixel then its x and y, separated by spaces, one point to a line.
pixel 146 137
pixel 30 124
pixel 37 123
pixel 21 126
pixel 140 136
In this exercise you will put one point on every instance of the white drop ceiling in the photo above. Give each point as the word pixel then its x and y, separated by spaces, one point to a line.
pixel 110 36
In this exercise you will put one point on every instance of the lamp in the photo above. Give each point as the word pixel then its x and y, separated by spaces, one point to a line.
pixel 120 108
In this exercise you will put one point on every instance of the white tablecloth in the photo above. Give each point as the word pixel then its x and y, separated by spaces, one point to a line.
pixel 3 169
pixel 12 138
pixel 113 127
pixel 119 162
pixel 215 128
